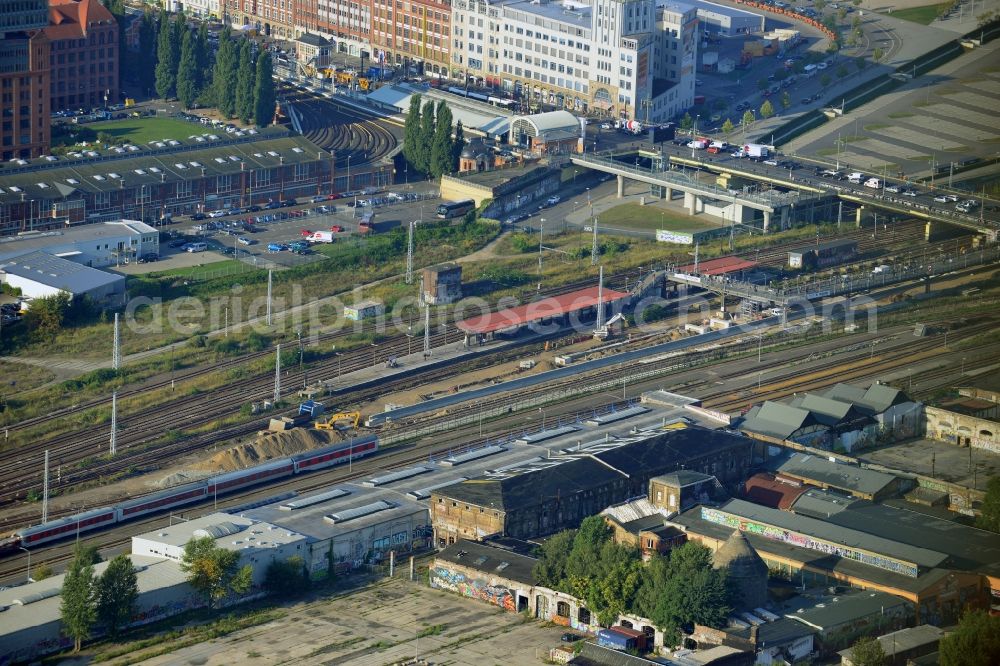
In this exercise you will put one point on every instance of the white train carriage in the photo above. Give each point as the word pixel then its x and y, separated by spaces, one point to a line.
pixel 336 454
pixel 160 501
pixel 68 526
pixel 225 483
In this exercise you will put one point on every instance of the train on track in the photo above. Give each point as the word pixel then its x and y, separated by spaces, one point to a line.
pixel 188 493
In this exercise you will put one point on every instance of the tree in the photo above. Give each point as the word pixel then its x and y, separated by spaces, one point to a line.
pixel 224 75
pixel 187 84
pixel 766 109
pixel 683 589
pixel 441 145
pixel 212 571
pixel 246 74
pixel 868 652
pixel 77 608
pixel 263 92
pixel 824 80
pixel 976 641
pixel 412 147
pixel 989 516
pixel 47 314
pixel 877 54
pixel 842 72
pixel 286 577
pixel 687 122
pixel 426 137
pixel 457 146
pixel 116 592
pixel 786 100
pixel 762 84
pixel 202 56
pixel 551 567
pixel 748 119
pixel 147 53
pixel 166 60
pixel 727 127
pixel 860 63
pixel 820 5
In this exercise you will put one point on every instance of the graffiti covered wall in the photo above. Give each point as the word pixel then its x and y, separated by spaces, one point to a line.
pixel 499 592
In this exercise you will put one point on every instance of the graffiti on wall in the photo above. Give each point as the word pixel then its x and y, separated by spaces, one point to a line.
pixel 474 588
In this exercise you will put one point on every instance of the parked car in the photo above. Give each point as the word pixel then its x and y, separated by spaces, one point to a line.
pixel 318 198
pixel 148 257
pixel 198 216
pixel 271 205
pixel 276 247
pixel 217 213
pixel 243 240
pixel 177 243
pixel 253 209
pixel 553 200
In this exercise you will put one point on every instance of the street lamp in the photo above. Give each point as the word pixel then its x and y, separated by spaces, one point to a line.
pixel 542 410
pixel 374 351
pixel 29 562
pixel 541 228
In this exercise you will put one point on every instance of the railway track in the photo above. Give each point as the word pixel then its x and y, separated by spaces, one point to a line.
pixel 353 138
pixel 139 430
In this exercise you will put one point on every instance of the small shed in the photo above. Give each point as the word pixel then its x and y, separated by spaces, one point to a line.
pixel 363 310
pixel 551 132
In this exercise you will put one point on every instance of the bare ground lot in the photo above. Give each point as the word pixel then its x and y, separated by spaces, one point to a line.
pixel 939 460
pixel 379 625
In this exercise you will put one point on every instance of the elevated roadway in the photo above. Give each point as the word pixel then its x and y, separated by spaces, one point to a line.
pixel 801 188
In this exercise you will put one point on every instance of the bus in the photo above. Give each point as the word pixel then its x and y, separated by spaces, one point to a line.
pixel 455 209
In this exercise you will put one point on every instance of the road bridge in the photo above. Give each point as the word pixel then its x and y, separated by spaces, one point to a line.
pixel 664 181
pixel 785 294
pixel 802 189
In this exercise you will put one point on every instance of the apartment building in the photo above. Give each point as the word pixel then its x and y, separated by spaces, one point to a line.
pixel 414 35
pixel 83 38
pixel 628 59
pixel 347 24
pixel 274 18
pixel 24 80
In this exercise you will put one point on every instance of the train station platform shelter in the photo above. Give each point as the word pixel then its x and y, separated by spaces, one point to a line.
pixel 567 309
pixel 719 266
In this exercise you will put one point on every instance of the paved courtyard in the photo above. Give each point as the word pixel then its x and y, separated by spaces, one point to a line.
pixel 940 460
pixel 379 625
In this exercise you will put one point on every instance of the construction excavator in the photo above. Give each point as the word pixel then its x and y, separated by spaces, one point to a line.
pixel 344 419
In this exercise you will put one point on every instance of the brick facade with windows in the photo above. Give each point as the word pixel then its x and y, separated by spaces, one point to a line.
pixel 83 54
pixel 24 95
pixel 413 33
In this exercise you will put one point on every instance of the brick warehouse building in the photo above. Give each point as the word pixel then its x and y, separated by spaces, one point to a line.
pixel 24 80
pixel 556 493
pixel 192 176
pixel 83 54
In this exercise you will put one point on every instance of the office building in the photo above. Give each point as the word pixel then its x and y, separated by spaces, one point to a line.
pixel 24 80
pixel 83 49
pixel 415 35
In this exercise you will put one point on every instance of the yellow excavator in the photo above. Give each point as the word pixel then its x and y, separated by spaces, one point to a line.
pixel 346 419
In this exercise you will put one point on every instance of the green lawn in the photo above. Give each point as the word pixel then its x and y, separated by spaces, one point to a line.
pixel 923 15
pixel 650 218
pixel 144 130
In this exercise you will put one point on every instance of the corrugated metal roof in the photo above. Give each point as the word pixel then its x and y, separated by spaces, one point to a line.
pixel 834 474
pixel 58 273
pixel 547 308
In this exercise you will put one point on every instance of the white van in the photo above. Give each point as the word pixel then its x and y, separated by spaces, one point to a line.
pixel 196 247
pixel 855 177
pixel 874 183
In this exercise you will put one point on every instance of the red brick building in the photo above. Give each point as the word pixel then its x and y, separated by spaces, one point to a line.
pixel 413 33
pixel 84 54
pixel 24 80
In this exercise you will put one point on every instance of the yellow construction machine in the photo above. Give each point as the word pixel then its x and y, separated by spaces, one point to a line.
pixel 344 419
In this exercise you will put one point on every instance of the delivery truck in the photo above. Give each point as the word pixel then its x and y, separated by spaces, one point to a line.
pixel 756 150
pixel 321 237
pixel 621 638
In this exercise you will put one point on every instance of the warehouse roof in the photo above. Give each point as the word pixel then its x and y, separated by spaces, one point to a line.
pixel 84 233
pixel 567 475
pixel 827 411
pixel 245 532
pixel 694 524
pixel 58 273
pixel 769 491
pixel 491 560
pixel 682 478
pixel 847 608
pixel 150 164
pixel 834 533
pixel 777 420
pixel 781 631
pixel 971 549
pixel 819 503
pixel 851 478
pixel 875 399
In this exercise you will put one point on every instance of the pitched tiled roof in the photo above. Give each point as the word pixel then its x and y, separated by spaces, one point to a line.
pixel 70 19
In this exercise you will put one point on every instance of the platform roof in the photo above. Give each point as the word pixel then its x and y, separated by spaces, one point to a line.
pixel 533 312
pixel 720 266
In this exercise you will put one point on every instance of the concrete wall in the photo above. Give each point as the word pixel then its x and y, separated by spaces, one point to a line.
pixel 963 430
pixel 368 544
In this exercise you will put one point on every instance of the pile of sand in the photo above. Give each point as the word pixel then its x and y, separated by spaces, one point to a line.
pixel 267 446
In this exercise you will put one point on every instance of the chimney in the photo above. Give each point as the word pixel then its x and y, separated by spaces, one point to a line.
pixel 753 634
